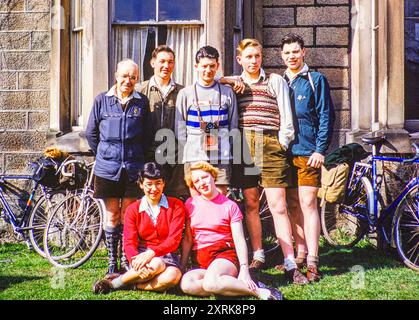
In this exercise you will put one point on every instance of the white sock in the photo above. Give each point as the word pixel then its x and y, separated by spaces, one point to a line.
pixel 259 255
pixel 289 263
pixel 117 283
pixel 263 293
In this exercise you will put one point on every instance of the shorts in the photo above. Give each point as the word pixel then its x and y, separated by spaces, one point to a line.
pixel 222 249
pixel 302 174
pixel 269 164
pixel 170 259
pixel 105 188
pixel 224 172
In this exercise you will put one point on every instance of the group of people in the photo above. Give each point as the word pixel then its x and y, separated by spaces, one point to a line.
pixel 166 155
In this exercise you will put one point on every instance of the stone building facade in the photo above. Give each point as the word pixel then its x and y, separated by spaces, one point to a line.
pixel 57 55
pixel 325 27
pixel 25 49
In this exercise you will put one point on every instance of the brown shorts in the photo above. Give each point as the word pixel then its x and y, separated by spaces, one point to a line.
pixel 302 174
pixel 225 250
pixel 224 172
pixel 270 165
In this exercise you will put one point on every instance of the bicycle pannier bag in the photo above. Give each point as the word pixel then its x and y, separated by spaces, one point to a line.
pixel 333 183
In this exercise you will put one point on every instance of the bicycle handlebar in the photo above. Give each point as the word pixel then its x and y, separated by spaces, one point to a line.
pixel 416 157
pixel 64 165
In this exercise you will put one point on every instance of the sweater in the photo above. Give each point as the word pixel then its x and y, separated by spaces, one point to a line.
pixel 163 237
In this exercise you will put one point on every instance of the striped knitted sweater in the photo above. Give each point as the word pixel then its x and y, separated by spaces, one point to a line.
pixel 258 109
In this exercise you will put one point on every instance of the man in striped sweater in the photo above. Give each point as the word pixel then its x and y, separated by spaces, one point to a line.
pixel 265 120
pixel 206 118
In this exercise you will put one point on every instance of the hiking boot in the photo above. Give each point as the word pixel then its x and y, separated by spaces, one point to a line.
pixel 256 265
pixel 103 286
pixel 313 274
pixel 295 276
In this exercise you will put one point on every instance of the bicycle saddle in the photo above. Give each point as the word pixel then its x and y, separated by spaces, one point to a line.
pixel 374 138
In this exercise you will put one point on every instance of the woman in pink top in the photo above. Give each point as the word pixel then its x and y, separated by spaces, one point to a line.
pixel 214 234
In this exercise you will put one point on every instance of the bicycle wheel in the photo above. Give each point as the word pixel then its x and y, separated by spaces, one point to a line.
pixel 38 218
pixel 406 229
pixel 73 231
pixel 344 224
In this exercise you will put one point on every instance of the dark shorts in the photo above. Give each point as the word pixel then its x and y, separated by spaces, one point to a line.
pixel 302 174
pixel 204 256
pixel 170 259
pixel 105 188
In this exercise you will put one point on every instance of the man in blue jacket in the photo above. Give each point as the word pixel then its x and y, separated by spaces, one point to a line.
pixel 313 113
pixel 119 134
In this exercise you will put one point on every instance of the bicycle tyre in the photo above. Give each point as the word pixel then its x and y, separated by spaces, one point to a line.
pixel 38 218
pixel 406 229
pixel 342 229
pixel 72 236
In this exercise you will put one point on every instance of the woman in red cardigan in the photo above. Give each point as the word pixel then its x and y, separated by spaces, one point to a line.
pixel 152 234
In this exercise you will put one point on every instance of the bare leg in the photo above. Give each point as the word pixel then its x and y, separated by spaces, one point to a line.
pixel 253 224
pixel 308 203
pixel 124 204
pixel 220 278
pixel 296 218
pixel 277 205
pixel 113 212
pixel 191 283
pixel 163 281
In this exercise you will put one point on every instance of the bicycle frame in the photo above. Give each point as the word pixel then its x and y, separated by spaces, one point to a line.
pixel 375 185
pixel 18 226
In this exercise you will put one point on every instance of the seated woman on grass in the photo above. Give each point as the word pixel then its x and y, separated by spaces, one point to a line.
pixel 152 234
pixel 214 233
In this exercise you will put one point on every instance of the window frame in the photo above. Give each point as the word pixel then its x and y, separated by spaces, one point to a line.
pixel 159 22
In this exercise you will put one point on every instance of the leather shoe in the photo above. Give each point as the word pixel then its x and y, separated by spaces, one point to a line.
pixel 103 286
pixel 295 276
pixel 313 274
pixel 256 264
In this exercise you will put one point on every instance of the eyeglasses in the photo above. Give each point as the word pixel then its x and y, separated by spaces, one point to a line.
pixel 158 185
pixel 124 76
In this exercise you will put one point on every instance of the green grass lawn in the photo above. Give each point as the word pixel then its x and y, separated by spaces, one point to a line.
pixel 349 274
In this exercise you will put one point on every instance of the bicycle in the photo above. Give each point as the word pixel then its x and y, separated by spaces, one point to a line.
pixel 22 211
pixel 74 230
pixel 270 242
pixel 362 210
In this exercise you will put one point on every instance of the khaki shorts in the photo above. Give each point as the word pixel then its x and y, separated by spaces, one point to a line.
pixel 302 174
pixel 270 164
pixel 224 172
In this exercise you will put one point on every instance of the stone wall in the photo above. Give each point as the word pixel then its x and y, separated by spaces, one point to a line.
pixel 325 27
pixel 25 46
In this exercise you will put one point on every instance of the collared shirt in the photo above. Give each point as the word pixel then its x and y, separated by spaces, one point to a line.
pixel 278 87
pixel 165 91
pixel 112 93
pixel 292 75
pixel 146 207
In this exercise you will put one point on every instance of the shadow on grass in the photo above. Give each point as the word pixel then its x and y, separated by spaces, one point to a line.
pixel 8 281
pixel 333 262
